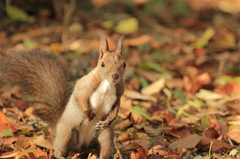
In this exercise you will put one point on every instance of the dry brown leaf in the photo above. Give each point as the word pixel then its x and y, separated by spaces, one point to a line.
pixel 21 105
pixel 126 137
pixel 163 115
pixel 141 153
pixel 148 130
pixel 191 71
pixel 234 134
pixel 142 141
pixel 23 142
pixel 12 139
pixel 143 39
pixel 210 133
pixel 125 123
pixel 199 81
pixel 229 88
pixel 43 142
pixel 136 95
pixel 204 144
pixel 154 156
pixel 181 132
pixel 29 112
pixel 174 83
pixel 188 142
pixel 158 147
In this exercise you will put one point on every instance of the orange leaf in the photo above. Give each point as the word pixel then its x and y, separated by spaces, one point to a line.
pixel 141 153
pixel 4 124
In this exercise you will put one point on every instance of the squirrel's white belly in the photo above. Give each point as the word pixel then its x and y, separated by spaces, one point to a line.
pixel 101 103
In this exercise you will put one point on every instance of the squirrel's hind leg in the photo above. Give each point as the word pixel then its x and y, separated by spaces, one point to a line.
pixel 65 140
pixel 105 139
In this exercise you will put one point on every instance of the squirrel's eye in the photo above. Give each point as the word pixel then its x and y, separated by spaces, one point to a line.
pixel 124 65
pixel 103 65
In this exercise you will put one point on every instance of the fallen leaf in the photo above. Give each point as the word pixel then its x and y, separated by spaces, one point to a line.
pixel 139 110
pixel 199 81
pixel 188 142
pixel 228 89
pixel 23 142
pixel 142 141
pixel 29 150
pixel 141 153
pixel 136 95
pixel 43 142
pixel 158 147
pixel 12 139
pixel 127 26
pixel 155 87
pixel 204 144
pixel 208 95
pixel 210 133
pixel 6 132
pixel 148 130
pixel 234 134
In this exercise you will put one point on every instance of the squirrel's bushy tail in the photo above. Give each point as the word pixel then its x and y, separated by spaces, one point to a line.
pixel 42 76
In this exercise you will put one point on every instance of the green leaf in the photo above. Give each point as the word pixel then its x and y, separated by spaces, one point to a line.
pixel 207 35
pixel 30 44
pixel 24 131
pixel 6 132
pixel 181 8
pixel 171 110
pixel 153 139
pixel 179 94
pixel 196 103
pixel 17 14
pixel 127 26
pixel 151 65
pixel 227 79
pixel 29 150
pixel 108 24
pixel 143 82
pixel 138 110
pixel 205 122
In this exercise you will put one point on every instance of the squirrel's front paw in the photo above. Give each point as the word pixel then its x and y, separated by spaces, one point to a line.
pixel 101 125
pixel 89 114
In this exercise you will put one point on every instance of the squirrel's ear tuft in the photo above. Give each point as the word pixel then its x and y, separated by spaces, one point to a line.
pixel 119 47
pixel 103 47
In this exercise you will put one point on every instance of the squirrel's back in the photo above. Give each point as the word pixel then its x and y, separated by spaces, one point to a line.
pixel 42 76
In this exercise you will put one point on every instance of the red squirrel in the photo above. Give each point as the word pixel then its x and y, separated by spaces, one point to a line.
pixel 81 119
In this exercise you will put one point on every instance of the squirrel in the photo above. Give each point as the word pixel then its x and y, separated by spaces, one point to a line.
pixel 81 118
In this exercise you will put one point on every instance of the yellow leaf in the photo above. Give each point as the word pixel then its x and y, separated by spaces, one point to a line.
pixel 155 87
pixel 31 149
pixel 127 26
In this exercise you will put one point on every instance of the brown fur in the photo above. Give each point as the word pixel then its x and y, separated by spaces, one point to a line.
pixel 41 75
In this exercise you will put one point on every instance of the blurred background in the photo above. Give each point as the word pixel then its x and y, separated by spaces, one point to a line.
pixel 183 61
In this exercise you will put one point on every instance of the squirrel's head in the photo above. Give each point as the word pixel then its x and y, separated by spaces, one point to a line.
pixel 111 65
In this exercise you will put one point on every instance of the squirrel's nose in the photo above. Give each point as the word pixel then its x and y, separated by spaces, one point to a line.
pixel 115 76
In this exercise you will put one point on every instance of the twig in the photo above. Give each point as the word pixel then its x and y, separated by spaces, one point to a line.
pixel 210 149
pixel 117 149
pixel 66 21
pixel 2 147
pixel 220 68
